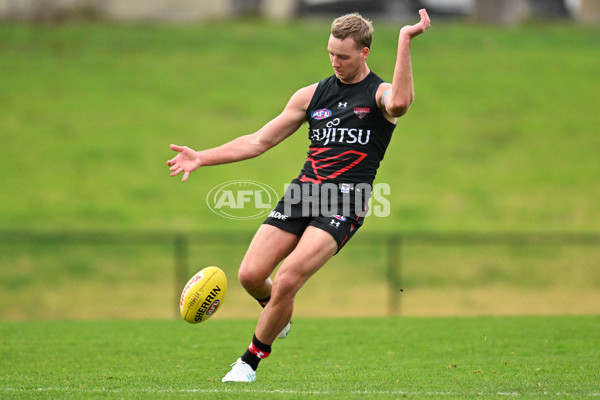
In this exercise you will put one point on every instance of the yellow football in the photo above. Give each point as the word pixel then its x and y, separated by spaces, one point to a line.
pixel 203 295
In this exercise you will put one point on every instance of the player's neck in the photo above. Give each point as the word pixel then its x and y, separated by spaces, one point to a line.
pixel 362 73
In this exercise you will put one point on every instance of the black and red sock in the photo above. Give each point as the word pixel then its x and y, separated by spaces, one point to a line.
pixel 263 303
pixel 256 352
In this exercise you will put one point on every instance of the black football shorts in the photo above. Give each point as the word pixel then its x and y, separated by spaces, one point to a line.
pixel 341 228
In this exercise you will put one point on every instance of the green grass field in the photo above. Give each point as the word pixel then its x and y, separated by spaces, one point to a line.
pixel 503 136
pixel 379 358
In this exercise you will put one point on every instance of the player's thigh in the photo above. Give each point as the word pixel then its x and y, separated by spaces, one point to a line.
pixel 269 246
pixel 314 249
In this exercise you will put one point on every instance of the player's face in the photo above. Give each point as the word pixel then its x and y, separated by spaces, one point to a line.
pixel 346 59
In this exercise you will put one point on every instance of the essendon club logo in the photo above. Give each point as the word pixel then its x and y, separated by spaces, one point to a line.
pixel 361 111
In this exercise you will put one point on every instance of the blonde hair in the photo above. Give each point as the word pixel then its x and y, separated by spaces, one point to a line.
pixel 354 26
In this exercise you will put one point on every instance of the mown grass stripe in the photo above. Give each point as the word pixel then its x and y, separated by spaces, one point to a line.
pixel 287 391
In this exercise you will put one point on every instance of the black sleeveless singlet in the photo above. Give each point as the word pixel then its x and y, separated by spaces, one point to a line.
pixel 349 137
pixel 348 133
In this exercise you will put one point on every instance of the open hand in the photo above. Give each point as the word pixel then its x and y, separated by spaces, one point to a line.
pixel 186 161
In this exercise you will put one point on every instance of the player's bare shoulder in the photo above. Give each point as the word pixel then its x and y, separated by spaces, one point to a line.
pixel 295 110
pixel 301 99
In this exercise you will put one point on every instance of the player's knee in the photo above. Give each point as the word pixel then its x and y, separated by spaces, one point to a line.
pixel 250 279
pixel 285 286
pixel 246 278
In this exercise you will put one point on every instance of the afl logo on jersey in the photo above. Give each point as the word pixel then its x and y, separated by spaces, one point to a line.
pixel 321 114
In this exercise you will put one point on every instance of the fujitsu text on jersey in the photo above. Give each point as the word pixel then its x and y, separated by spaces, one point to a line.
pixel 340 135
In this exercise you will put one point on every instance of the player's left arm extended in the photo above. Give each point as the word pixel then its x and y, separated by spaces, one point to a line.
pixel 400 96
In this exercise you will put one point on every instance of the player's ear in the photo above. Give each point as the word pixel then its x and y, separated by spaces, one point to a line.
pixel 364 53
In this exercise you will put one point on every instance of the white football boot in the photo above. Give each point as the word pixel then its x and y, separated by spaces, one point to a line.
pixel 240 372
pixel 285 331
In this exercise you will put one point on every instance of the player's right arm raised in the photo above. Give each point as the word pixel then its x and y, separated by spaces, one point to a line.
pixel 402 92
pixel 248 146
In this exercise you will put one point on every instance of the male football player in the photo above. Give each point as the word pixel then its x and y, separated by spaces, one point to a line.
pixel 351 117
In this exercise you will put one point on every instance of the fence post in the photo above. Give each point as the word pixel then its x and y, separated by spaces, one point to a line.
pixel 182 251
pixel 394 274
